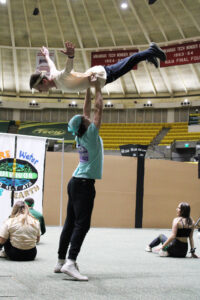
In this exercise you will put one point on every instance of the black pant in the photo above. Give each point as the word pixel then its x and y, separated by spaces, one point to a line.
pixel 81 194
pixel 175 249
pixel 126 64
pixel 19 254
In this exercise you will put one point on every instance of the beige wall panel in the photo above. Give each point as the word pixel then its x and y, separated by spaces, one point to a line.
pixel 166 184
pixel 29 115
pixel 157 113
pixel 164 115
pixel 114 116
pixel 139 116
pixel 46 115
pixel 37 115
pixel 176 115
pixel 148 115
pixel 130 115
pixel 63 116
pixel 115 193
pixel 122 116
pixel 54 115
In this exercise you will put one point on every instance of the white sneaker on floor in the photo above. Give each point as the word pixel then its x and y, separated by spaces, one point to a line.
pixel 3 254
pixel 163 253
pixel 58 267
pixel 73 271
pixel 148 249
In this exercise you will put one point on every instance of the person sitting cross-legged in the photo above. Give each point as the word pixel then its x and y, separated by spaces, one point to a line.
pixel 19 234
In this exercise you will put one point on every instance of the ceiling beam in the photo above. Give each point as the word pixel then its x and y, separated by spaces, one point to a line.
pixel 122 20
pixel 58 22
pixel 78 35
pixel 156 21
pixel 112 37
pixel 107 24
pixel 135 82
pixel 29 40
pixel 181 79
pixel 27 24
pixel 173 18
pixel 126 30
pixel 90 23
pixel 166 80
pixel 139 22
pixel 161 44
pixel 190 14
pixel 195 72
pixel 16 73
pixel 151 79
pixel 43 25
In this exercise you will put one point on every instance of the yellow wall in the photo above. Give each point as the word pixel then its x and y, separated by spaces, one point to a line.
pixel 166 184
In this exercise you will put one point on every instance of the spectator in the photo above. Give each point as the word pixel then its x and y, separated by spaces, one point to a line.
pixel 19 234
pixel 182 229
pixel 30 202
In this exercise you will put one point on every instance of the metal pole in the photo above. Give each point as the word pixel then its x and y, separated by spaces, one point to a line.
pixel 61 188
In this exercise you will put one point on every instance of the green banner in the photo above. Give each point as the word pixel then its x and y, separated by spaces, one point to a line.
pixel 49 130
pixel 4 126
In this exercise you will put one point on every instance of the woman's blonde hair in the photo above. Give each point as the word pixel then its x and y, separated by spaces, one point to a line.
pixel 20 208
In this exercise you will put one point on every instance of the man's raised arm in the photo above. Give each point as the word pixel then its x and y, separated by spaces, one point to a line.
pixel 98 106
pixel 87 104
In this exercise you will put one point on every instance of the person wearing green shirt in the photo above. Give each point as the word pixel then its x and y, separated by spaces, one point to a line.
pixel 30 202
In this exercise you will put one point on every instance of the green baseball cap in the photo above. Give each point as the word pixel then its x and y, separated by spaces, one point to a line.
pixel 74 124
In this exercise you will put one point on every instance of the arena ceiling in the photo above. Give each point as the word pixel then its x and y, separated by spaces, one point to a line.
pixel 97 25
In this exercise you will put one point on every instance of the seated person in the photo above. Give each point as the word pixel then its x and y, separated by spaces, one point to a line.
pixel 19 234
pixel 36 214
pixel 182 229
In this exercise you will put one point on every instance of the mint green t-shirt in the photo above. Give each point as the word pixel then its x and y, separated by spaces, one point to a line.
pixel 90 147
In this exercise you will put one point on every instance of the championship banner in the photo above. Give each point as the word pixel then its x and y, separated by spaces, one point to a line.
pixel 7 149
pixel 106 58
pixel 41 63
pixel 188 53
pixel 30 157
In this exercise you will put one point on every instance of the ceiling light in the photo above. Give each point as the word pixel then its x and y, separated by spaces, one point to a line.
pixel 124 5
pixel 3 1
pixel 36 11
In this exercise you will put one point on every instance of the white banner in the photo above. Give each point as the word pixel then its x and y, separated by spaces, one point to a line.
pixel 7 148
pixel 30 173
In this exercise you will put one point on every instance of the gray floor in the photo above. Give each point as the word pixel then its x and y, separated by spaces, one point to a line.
pixel 117 266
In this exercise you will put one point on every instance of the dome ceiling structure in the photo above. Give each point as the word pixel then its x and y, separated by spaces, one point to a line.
pixel 93 26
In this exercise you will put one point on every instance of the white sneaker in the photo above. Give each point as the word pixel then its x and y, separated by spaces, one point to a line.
pixel 58 267
pixel 3 254
pixel 148 249
pixel 72 270
pixel 163 253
